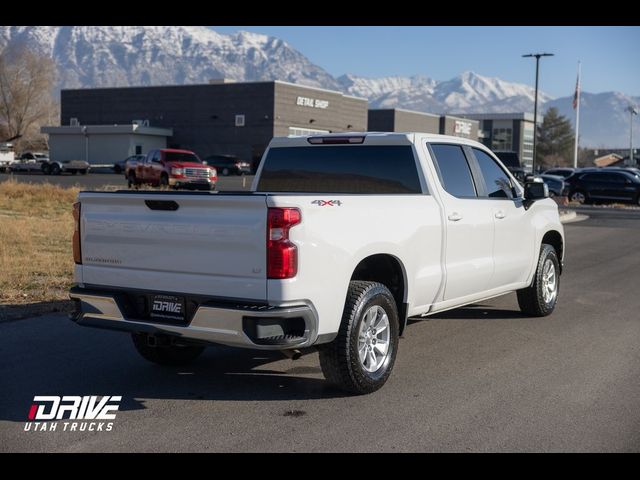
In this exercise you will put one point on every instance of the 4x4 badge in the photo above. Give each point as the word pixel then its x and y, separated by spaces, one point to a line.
pixel 327 203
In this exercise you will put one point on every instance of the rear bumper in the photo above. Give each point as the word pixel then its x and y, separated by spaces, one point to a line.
pixel 264 327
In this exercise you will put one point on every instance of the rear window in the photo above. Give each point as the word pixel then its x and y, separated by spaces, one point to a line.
pixel 180 157
pixel 369 169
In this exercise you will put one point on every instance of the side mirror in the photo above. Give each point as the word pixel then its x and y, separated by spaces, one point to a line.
pixel 534 191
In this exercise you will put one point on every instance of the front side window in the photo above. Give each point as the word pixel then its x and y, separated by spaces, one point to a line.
pixel 496 179
pixel 453 170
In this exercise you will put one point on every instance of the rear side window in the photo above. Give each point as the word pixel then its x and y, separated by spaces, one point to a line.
pixel 496 179
pixel 453 170
pixel 370 169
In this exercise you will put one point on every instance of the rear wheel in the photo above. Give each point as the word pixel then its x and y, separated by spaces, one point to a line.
pixel 46 169
pixel 361 357
pixel 167 354
pixel 55 169
pixel 540 298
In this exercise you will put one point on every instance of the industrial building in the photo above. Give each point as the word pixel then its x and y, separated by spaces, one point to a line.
pixel 507 132
pixel 219 117
pixel 104 144
pixel 401 120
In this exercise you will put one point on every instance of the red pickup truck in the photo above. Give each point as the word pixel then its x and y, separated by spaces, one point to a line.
pixel 172 168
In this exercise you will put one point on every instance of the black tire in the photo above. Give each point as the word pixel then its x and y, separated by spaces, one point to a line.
pixel 531 299
pixel 575 197
pixel 168 355
pixel 46 169
pixel 225 172
pixel 340 360
pixel 117 169
pixel 84 171
pixel 131 180
pixel 164 180
pixel 73 172
pixel 55 169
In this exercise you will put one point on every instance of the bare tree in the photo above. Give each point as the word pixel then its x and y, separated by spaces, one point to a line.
pixel 26 95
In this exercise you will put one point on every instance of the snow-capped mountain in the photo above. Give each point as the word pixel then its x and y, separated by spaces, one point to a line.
pixel 119 56
pixel 122 56
pixel 468 92
pixel 604 120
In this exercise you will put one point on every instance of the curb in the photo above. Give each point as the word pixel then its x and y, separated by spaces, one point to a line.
pixel 570 216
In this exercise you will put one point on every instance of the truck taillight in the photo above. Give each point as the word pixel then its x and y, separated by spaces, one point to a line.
pixel 77 254
pixel 282 254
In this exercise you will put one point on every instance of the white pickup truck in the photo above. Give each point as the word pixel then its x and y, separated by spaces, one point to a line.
pixel 339 241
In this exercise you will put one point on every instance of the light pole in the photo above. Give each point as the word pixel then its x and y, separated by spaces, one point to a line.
pixel 535 105
pixel 632 111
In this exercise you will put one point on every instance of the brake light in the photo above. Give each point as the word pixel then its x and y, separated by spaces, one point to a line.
pixel 348 139
pixel 282 254
pixel 77 252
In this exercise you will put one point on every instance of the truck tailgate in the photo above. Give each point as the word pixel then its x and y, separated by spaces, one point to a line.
pixel 212 244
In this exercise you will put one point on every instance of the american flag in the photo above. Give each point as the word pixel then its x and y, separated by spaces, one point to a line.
pixel 576 95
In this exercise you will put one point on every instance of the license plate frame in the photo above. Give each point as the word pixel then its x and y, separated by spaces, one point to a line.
pixel 167 308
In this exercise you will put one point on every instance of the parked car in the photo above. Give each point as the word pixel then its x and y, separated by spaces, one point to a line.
pixel 511 160
pixel 120 167
pixel 172 168
pixel 7 157
pixel 32 161
pixel 228 165
pixel 556 185
pixel 342 238
pixel 604 184
pixel 561 172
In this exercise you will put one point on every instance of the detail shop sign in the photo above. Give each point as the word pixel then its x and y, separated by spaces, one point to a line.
pixel 312 102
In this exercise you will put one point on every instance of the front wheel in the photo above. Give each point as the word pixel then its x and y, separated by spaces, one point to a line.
pixel 55 169
pixel 169 355
pixel 131 180
pixel 361 357
pixel 578 196
pixel 540 298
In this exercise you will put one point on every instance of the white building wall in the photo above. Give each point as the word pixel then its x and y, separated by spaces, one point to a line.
pixel 103 149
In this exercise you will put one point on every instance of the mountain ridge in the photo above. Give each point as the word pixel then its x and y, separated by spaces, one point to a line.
pixel 126 56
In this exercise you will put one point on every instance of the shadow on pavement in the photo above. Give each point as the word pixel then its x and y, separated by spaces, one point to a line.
pixel 9 312
pixel 72 360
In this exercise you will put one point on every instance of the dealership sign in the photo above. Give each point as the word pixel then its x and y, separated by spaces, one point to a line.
pixel 72 413
pixel 462 128
pixel 312 102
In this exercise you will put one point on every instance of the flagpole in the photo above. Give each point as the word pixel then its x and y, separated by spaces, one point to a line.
pixel 575 150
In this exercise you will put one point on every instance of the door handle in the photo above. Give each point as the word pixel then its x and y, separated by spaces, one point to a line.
pixel 500 214
pixel 454 217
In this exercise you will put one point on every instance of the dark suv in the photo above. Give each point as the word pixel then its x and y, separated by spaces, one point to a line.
pixel 228 165
pixel 604 184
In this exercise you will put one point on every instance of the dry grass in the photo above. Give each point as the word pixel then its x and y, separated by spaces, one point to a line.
pixel 36 226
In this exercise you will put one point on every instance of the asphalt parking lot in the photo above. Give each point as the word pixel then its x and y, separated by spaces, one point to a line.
pixel 93 180
pixel 481 378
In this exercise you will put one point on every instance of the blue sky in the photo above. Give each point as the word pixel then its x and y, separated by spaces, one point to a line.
pixel 610 55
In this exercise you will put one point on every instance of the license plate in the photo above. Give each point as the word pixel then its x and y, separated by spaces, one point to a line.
pixel 167 307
